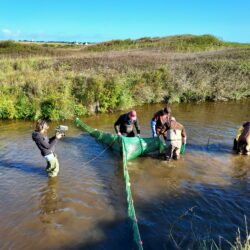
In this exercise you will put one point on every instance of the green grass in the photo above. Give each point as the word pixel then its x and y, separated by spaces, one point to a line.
pixel 238 244
pixel 179 43
pixel 182 43
pixel 60 83
pixel 202 241
pixel 20 49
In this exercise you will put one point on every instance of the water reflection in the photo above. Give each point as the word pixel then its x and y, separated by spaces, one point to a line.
pixel 49 200
pixel 240 166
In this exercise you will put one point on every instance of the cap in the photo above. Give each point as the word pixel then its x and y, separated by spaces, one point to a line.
pixel 132 115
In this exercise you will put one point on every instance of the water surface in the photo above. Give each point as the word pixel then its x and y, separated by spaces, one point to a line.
pixel 203 196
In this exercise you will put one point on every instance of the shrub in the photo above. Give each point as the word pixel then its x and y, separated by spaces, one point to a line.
pixel 7 109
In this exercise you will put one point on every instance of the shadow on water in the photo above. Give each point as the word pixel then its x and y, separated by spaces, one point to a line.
pixel 188 229
pixel 109 241
pixel 184 220
pixel 117 234
pixel 23 167
pixel 162 226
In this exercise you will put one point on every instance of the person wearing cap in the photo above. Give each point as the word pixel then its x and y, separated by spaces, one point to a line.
pixel 47 146
pixel 159 120
pixel 243 140
pixel 176 135
pixel 126 123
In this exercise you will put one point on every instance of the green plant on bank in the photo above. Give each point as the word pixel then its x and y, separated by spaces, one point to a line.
pixel 56 87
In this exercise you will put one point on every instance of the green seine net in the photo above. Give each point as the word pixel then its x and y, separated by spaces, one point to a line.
pixel 129 148
pixel 133 146
pixel 183 148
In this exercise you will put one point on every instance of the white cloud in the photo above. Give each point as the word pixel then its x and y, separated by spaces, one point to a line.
pixel 9 34
pixel 6 31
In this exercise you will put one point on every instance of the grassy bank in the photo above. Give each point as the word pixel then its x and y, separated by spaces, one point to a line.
pixel 60 82
pixel 183 43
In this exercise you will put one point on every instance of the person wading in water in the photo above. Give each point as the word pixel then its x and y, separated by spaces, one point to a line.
pixel 158 121
pixel 126 123
pixel 242 141
pixel 47 146
pixel 176 135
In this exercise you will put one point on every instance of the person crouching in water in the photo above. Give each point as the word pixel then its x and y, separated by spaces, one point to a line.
pixel 126 123
pixel 159 119
pixel 161 125
pixel 176 135
pixel 47 146
pixel 243 140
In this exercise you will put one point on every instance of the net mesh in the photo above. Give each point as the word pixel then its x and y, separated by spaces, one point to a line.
pixel 133 146
pixel 130 148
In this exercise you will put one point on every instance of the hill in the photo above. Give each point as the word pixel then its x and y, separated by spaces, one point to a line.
pixel 57 81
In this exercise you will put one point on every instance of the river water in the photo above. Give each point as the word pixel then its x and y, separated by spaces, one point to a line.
pixel 203 197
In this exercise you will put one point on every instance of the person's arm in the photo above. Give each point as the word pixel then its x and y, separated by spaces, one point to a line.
pixel 117 126
pixel 137 127
pixel 153 124
pixel 239 132
pixel 52 139
pixel 167 126
pixel 48 145
pixel 184 136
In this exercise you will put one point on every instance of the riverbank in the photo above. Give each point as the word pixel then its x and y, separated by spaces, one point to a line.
pixel 62 82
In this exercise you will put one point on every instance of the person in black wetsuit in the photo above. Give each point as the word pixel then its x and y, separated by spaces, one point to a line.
pixel 126 123
pixel 47 147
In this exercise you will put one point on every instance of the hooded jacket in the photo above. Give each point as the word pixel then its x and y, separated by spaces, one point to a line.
pixel 46 146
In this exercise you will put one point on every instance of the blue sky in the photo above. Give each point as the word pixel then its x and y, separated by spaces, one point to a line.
pixel 96 20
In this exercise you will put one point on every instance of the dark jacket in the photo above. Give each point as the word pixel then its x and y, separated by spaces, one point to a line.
pixel 125 125
pixel 245 133
pixel 46 146
pixel 157 115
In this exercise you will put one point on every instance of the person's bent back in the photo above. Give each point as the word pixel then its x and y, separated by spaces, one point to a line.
pixel 176 135
pixel 125 124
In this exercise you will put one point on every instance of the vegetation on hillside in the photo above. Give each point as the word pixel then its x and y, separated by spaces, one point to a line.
pixel 183 43
pixel 60 83
pixel 17 49
pixel 180 43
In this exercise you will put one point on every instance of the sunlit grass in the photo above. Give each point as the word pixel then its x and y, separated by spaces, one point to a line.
pixel 60 83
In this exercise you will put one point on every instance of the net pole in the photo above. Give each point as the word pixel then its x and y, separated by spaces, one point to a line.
pixel 131 208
